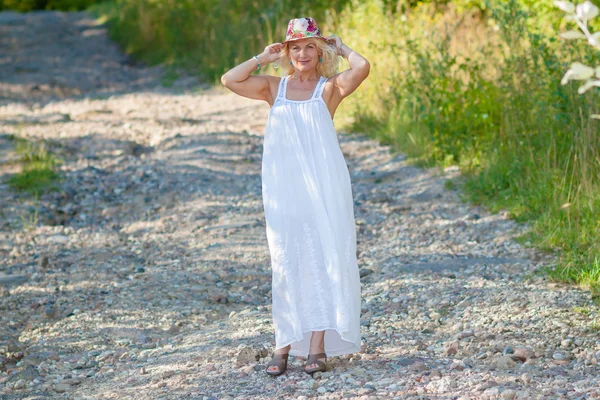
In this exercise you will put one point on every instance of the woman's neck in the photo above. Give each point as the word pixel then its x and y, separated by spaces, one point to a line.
pixel 304 76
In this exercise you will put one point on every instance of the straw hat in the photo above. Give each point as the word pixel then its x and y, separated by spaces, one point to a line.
pixel 302 28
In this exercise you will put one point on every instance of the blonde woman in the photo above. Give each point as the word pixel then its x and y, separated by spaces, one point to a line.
pixel 307 195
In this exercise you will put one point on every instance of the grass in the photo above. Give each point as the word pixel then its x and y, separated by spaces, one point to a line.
pixel 594 327
pixel 484 93
pixel 204 36
pixel 38 172
pixel 583 311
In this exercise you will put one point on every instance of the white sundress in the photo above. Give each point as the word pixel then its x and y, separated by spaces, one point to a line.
pixel 311 232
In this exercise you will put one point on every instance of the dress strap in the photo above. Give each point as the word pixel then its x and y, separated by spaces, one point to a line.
pixel 320 86
pixel 282 86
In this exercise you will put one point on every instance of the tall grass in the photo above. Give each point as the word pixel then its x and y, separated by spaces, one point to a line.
pixel 31 5
pixel 205 36
pixel 481 89
pixel 467 82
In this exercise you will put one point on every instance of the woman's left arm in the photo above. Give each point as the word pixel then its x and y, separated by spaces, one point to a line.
pixel 347 81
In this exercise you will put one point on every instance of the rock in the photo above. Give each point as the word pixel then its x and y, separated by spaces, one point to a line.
pixel 61 387
pixel 405 362
pixel 12 280
pixel 28 374
pixel 174 329
pixel 491 393
pixel 566 343
pixel 508 394
pixel 363 272
pixel 446 384
pixel 219 297
pixel 524 353
pixel 43 262
pixel 504 362
pixel 465 334
pixel 246 355
pixel 58 239
pixel 558 356
pixel 13 346
pixel 525 378
pixel 167 374
pixel 136 149
pixel 435 373
pixel 452 349
pixel 457 366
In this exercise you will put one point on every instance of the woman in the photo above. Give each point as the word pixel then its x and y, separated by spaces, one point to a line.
pixel 307 195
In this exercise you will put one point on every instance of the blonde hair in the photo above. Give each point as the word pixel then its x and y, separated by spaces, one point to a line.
pixel 327 68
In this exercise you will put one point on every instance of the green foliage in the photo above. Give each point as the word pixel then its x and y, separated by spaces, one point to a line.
pixel 30 5
pixel 481 89
pixel 39 168
pixel 205 36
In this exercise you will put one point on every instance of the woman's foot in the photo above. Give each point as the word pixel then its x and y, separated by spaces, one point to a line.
pixel 316 362
pixel 316 353
pixel 278 363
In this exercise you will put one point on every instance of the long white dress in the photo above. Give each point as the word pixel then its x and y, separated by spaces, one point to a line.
pixel 310 226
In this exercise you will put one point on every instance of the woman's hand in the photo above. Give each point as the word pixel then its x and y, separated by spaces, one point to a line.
pixel 270 54
pixel 335 41
pixel 240 80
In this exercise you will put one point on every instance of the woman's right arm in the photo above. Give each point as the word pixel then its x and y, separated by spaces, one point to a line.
pixel 240 80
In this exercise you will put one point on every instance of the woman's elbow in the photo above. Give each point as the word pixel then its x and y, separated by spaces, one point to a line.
pixel 365 68
pixel 224 80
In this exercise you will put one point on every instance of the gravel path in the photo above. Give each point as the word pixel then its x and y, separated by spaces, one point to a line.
pixel 147 275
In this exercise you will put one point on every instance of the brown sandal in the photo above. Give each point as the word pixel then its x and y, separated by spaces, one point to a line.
pixel 280 361
pixel 314 359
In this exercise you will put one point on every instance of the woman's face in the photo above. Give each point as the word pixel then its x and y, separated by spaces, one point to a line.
pixel 304 54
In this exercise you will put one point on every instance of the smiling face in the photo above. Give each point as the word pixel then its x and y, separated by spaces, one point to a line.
pixel 304 54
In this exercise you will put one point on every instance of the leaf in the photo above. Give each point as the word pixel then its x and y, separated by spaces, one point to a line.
pixel 594 40
pixel 567 77
pixel 572 35
pixel 586 11
pixel 587 86
pixel 566 6
pixel 566 205
pixel 581 71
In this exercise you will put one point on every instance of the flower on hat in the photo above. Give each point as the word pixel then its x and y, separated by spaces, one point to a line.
pixel 301 28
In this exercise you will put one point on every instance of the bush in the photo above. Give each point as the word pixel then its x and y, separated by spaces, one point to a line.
pixel 481 89
pixel 205 36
